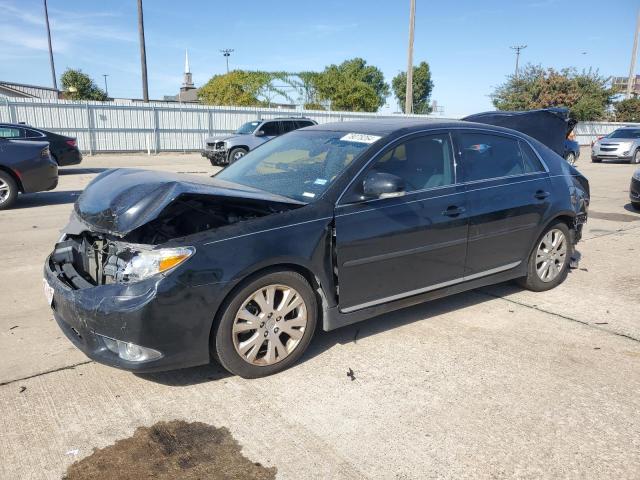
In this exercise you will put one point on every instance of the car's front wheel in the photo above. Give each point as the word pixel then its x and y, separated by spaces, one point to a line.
pixel 8 190
pixel 548 264
pixel 267 324
pixel 236 154
pixel 636 157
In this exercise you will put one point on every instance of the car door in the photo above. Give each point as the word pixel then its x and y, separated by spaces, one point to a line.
pixel 409 243
pixel 271 129
pixel 508 191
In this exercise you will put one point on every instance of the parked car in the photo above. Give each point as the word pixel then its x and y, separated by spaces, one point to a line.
pixel 64 150
pixel 328 225
pixel 571 151
pixel 621 144
pixel 25 167
pixel 222 151
pixel 634 190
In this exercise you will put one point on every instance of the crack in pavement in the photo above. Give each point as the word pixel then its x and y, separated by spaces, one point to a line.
pixel 46 372
pixel 560 315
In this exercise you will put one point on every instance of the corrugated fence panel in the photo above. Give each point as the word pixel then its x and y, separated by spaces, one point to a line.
pixel 159 126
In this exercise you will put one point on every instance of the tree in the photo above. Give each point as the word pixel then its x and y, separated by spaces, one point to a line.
pixel 79 86
pixel 422 87
pixel 242 88
pixel 628 110
pixel 585 93
pixel 353 85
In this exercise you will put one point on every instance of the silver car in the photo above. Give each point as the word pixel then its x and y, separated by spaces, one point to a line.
pixel 222 151
pixel 621 144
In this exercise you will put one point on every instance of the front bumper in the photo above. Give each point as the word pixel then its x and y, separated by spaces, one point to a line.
pixel 216 156
pixel 634 191
pixel 159 313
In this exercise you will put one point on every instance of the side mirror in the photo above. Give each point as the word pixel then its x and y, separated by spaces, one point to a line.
pixel 259 133
pixel 382 185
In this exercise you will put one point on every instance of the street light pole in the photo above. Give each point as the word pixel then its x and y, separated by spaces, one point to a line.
pixel 517 48
pixel 106 88
pixel 143 53
pixel 227 53
pixel 53 68
pixel 408 103
pixel 632 70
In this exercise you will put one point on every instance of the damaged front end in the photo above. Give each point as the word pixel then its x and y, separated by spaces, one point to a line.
pixel 120 274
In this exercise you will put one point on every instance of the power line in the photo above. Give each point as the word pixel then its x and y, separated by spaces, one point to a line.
pixel 226 52
pixel 518 48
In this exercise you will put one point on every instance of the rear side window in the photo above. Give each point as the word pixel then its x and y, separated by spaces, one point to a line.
pixel 10 132
pixel 270 129
pixel 304 123
pixel 530 159
pixel 288 125
pixel 484 156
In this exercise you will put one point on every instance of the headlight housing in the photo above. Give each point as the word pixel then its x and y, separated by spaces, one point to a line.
pixel 146 263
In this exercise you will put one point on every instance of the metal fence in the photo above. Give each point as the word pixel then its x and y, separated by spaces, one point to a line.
pixel 160 126
pixel 154 126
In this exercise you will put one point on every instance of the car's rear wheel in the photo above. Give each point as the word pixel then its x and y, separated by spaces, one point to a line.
pixel 8 190
pixel 636 157
pixel 236 154
pixel 548 263
pixel 267 325
pixel 571 158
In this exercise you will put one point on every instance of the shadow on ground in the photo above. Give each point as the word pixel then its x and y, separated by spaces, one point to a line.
pixel 169 450
pixel 40 199
pixel 80 171
pixel 630 208
pixel 322 341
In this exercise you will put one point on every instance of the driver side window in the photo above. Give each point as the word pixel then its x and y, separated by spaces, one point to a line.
pixel 421 162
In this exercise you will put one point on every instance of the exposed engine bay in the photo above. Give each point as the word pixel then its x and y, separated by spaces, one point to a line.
pixel 87 258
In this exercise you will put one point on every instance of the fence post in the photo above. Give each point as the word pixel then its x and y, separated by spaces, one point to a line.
pixel 12 112
pixel 156 129
pixel 90 127
pixel 210 126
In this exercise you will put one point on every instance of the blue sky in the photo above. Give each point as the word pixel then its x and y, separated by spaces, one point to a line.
pixel 466 42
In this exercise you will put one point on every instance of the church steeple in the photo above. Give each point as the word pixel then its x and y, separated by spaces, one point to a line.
pixel 187 83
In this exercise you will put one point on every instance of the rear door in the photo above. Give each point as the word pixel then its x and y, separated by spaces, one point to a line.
pixel 396 247
pixel 508 191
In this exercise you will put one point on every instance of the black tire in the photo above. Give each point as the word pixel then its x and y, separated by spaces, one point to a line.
pixel 571 158
pixel 236 153
pixel 9 193
pixel 223 336
pixel 533 281
pixel 635 159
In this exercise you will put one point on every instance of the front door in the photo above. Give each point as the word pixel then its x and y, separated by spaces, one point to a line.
pixel 391 248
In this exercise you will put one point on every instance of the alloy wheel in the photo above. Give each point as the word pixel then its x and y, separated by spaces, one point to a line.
pixel 551 255
pixel 636 157
pixel 238 155
pixel 5 191
pixel 269 325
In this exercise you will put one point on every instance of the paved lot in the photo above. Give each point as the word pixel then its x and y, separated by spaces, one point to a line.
pixel 496 383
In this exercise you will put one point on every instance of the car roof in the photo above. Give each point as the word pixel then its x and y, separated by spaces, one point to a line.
pixel 387 126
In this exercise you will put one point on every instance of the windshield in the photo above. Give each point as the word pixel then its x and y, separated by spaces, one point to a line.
pixel 300 165
pixel 247 128
pixel 625 133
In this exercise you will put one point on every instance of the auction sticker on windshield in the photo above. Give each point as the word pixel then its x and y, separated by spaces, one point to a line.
pixel 360 138
pixel 48 291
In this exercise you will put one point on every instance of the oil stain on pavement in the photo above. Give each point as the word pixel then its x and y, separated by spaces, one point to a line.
pixel 169 450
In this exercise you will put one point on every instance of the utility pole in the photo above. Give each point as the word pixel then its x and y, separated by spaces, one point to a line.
pixel 106 89
pixel 632 71
pixel 226 53
pixel 53 68
pixel 517 48
pixel 143 54
pixel 408 103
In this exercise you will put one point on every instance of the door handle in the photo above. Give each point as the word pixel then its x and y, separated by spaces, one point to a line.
pixel 453 211
pixel 541 194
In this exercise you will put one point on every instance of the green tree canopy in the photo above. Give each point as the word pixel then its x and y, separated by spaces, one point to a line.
pixel 585 93
pixel 353 85
pixel 628 110
pixel 422 87
pixel 79 86
pixel 239 87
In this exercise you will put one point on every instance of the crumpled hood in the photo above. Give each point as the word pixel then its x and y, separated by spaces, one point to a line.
pixel 221 139
pixel 119 201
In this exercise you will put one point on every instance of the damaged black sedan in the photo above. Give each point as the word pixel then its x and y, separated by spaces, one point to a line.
pixel 324 226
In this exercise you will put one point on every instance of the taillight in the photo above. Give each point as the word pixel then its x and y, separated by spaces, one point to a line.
pixel 71 143
pixel 44 153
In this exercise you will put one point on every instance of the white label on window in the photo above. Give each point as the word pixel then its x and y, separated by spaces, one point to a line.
pixel 360 138
pixel 308 194
pixel 320 181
